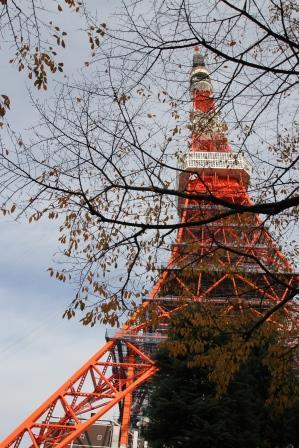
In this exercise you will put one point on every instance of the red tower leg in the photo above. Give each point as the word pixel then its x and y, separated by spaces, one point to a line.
pixel 127 407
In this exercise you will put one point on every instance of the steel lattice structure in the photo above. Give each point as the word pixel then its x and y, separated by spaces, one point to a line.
pixel 231 261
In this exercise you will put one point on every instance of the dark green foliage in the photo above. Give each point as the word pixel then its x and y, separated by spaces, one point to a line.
pixel 183 410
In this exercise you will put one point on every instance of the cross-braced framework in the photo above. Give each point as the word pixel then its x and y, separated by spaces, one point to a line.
pixel 231 262
pixel 108 378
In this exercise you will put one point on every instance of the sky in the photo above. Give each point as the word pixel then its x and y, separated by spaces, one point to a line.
pixel 38 349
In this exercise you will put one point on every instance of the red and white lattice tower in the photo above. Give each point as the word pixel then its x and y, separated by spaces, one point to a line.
pixel 220 262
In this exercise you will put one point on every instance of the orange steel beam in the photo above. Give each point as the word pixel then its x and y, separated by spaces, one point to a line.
pixel 39 429
pixel 127 407
pixel 30 421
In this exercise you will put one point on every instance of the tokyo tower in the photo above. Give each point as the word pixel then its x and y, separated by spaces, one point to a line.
pixel 230 260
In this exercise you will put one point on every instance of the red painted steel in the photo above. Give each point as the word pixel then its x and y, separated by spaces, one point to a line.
pixel 94 389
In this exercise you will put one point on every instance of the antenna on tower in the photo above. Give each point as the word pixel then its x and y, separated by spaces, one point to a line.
pixel 198 59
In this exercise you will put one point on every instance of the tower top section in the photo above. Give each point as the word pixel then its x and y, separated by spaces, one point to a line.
pixel 210 155
pixel 199 79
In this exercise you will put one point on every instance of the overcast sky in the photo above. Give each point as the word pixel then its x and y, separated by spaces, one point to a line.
pixel 38 349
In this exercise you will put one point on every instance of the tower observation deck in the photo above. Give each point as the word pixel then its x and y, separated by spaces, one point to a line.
pixel 228 261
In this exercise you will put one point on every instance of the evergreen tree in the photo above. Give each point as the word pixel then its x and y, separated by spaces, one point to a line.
pixel 184 410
